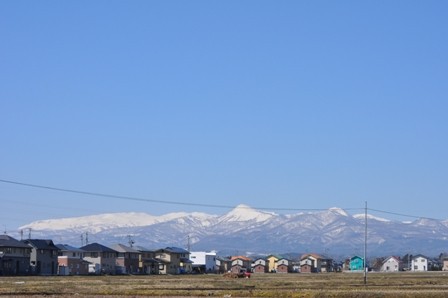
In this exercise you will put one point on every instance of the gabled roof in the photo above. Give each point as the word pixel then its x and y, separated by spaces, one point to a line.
pixel 240 258
pixel 8 241
pixel 124 248
pixel 313 255
pixel 392 257
pixel 66 247
pixel 41 244
pixel 96 247
pixel 143 249
pixel 420 256
pixel 175 250
pixel 275 256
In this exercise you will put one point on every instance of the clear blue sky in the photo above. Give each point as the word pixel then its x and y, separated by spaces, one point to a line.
pixel 289 104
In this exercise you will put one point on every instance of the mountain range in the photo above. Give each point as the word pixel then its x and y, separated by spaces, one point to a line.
pixel 245 230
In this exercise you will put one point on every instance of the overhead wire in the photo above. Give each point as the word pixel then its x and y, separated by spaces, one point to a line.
pixel 89 193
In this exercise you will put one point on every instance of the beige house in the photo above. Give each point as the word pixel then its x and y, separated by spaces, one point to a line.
pixel 101 258
pixel 173 260
pixel 272 262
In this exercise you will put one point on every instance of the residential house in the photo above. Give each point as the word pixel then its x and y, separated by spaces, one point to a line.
pixel 356 263
pixel 283 266
pixel 15 256
pixel 127 261
pixel 445 263
pixel 419 263
pixel 102 258
pixel 203 262
pixel 260 265
pixel 173 260
pixel 311 263
pixel 326 264
pixel 223 265
pixel 148 264
pixel 240 263
pixel 44 256
pixel 272 262
pixel 392 264
pixel 70 261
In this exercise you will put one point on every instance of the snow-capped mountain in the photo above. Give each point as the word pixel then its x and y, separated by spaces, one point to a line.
pixel 246 229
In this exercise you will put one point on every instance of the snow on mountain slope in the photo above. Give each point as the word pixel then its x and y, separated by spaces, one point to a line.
pixel 245 228
pixel 369 216
pixel 246 213
pixel 97 223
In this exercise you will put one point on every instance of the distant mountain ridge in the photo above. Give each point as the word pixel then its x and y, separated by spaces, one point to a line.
pixel 246 230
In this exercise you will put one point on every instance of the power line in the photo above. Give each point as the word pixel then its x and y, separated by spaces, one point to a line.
pixel 402 214
pixel 81 192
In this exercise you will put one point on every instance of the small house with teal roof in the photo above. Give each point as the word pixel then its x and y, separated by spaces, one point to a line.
pixel 356 263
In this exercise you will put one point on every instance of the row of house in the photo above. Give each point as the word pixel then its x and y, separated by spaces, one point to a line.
pixel 43 257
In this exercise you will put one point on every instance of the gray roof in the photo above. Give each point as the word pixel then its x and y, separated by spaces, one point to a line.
pixel 41 243
pixel 66 247
pixel 96 247
pixel 176 250
pixel 8 241
pixel 123 248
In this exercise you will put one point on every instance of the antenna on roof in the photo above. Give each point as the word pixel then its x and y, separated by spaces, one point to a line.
pixel 130 241
pixel 82 239
pixel 21 234
pixel 29 233
pixel 87 238
pixel 188 243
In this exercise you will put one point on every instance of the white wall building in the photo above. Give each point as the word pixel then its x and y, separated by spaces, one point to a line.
pixel 204 262
pixel 419 263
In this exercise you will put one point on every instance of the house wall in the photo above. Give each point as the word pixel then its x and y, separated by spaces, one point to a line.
pixel 272 263
pixel 419 264
pixel 356 264
pixel 44 261
pixel 306 268
pixel 14 265
pixel 72 266
pixel 445 265
pixel 282 268
pixel 390 265
pixel 260 268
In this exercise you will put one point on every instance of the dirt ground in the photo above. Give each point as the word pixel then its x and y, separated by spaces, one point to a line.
pixel 406 284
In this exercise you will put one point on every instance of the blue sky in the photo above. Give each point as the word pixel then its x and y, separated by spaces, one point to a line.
pixel 276 104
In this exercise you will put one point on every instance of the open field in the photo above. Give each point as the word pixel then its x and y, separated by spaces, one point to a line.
pixel 430 284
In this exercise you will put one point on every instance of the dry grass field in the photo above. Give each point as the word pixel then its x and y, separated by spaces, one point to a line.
pixel 431 284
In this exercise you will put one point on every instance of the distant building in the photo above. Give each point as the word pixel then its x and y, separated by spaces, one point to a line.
pixel 15 256
pixel 101 258
pixel 44 256
pixel 392 264
pixel 419 263
pixel 356 263
pixel 127 261
pixel 173 260
pixel 203 262
pixel 70 261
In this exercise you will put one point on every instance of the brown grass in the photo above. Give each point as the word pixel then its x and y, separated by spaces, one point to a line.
pixel 430 284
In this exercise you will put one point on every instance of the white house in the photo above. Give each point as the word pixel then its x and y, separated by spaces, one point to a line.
pixel 391 264
pixel 419 263
pixel 203 262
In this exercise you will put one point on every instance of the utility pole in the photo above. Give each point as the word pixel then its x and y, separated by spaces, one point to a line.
pixel 188 243
pixel 365 245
